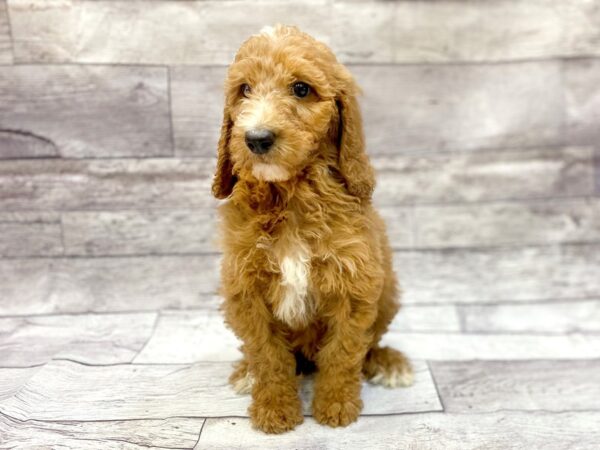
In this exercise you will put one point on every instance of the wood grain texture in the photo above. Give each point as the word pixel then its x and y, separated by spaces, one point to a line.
pixel 500 274
pixel 6 56
pixel 178 432
pixel 434 318
pixel 209 32
pixel 55 285
pixel 582 76
pixel 483 176
pixel 92 393
pixel 461 107
pixel 496 30
pixel 555 317
pixel 396 32
pixel 597 171
pixel 188 337
pixel 30 233
pixel 477 386
pixel 13 378
pixel 197 104
pixel 92 339
pixel 139 232
pixel 114 184
pixel 466 347
pixel 498 431
pixel 84 111
pixel 503 223
pixel 405 32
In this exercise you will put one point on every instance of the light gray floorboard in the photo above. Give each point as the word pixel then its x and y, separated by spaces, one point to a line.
pixel 13 378
pixel 515 430
pixel 461 107
pixel 209 32
pixel 115 183
pixel 188 337
pixel 555 317
pixel 6 55
pixel 483 32
pixel 477 386
pixel 497 275
pixel 488 31
pixel 597 170
pixel 497 224
pixel 140 232
pixel 582 76
pixel 84 111
pixel 426 318
pixel 197 103
pixel 92 339
pixel 55 285
pixel 91 393
pixel 168 433
pixel 483 176
pixel 466 347
pixel 30 233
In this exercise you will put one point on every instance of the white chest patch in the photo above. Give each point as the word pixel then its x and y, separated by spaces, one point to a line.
pixel 294 307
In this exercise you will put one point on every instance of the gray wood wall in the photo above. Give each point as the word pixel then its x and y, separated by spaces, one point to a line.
pixel 482 117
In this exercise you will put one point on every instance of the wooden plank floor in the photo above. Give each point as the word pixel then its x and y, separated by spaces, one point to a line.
pixel 481 119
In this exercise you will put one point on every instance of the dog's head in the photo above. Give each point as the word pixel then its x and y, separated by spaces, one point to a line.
pixel 286 96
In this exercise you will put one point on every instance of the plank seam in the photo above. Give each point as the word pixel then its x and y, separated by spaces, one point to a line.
pixel 154 327
pixel 437 391
pixel 199 434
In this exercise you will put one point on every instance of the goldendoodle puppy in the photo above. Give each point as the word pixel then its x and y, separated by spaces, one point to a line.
pixel 307 274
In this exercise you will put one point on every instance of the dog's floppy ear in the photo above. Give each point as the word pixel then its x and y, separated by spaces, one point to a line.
pixel 224 178
pixel 353 160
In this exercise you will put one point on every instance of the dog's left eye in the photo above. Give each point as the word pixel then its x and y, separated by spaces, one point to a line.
pixel 300 89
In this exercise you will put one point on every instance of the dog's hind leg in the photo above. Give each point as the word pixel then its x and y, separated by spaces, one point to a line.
pixel 387 367
pixel 241 379
pixel 384 365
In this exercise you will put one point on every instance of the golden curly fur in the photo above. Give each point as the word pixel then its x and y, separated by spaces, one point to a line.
pixel 306 275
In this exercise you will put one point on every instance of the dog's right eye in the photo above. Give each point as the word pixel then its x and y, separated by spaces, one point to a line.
pixel 245 90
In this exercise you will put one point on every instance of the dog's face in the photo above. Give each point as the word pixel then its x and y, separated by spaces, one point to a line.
pixel 281 105
pixel 286 94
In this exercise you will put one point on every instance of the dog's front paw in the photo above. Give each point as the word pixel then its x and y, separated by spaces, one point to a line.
pixel 336 412
pixel 276 415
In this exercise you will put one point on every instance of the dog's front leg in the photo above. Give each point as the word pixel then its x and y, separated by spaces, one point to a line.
pixel 276 405
pixel 337 399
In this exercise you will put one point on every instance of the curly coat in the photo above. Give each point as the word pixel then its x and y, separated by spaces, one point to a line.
pixel 306 274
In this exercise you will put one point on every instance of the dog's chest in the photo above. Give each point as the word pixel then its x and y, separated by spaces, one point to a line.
pixel 295 305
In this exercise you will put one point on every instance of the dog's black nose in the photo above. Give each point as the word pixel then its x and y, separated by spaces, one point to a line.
pixel 259 141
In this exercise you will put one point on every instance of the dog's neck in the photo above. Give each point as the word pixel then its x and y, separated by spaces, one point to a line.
pixel 307 194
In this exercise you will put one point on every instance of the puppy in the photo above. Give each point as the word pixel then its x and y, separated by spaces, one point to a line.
pixel 307 269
